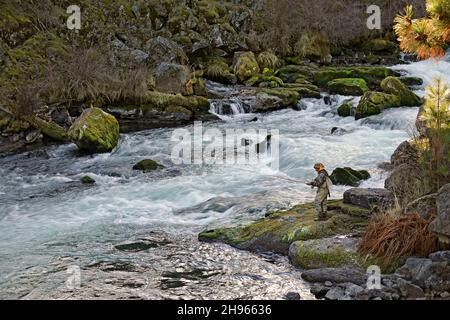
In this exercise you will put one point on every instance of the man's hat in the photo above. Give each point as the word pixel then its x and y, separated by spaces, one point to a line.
pixel 319 166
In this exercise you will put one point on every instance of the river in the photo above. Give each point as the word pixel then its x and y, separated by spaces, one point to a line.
pixel 51 224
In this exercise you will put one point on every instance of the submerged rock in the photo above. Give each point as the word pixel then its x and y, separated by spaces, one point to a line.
pixel 393 85
pixel 373 103
pixel 95 131
pixel 348 176
pixel 147 165
pixel 87 180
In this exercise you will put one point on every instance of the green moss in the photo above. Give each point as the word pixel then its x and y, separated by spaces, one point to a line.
pixel 345 110
pixel 50 129
pixel 373 103
pixel 256 80
pixel 177 109
pixel 246 66
pixel 372 75
pixel 288 96
pixel 87 180
pixel 393 85
pixel 348 86
pixel 95 131
pixel 305 90
pixel 304 255
pixel 348 176
pixel 379 45
pixel 278 230
pixel 11 125
pixel 147 165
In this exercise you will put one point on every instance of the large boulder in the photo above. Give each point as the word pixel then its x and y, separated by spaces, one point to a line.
pixel 173 78
pixel 379 46
pixel 336 275
pixel 161 49
pixel 323 253
pixel 348 176
pixel 442 223
pixel 424 206
pixel 408 183
pixel 373 103
pixel 405 153
pixel 395 86
pixel 95 131
pixel 348 86
pixel 245 65
pixel 369 198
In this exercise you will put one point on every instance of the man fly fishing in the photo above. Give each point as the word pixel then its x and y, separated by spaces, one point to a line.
pixel 323 184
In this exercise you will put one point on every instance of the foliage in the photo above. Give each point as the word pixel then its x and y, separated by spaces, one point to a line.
pixel 390 236
pixel 436 116
pixel 428 36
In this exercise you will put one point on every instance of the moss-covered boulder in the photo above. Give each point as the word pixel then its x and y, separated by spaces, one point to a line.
pixel 345 110
pixel 288 97
pixel 95 131
pixel 373 103
pixel 49 128
pixel 245 65
pixel 279 230
pixel 305 90
pixel 147 165
pixel 379 46
pixel 199 87
pixel 323 253
pixel 290 73
pixel 262 80
pixel 348 176
pixel 348 86
pixel 372 75
pixel 393 85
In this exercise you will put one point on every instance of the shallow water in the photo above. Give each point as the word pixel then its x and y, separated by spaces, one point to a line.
pixel 49 221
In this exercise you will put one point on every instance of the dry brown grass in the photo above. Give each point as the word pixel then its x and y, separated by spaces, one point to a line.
pixel 391 236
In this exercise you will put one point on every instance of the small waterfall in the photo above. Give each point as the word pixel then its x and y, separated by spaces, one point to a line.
pixel 227 107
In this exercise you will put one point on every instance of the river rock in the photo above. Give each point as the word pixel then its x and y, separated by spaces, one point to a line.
pixel 424 206
pixel 348 176
pixel 409 290
pixel 245 65
pixel 322 253
pixel 346 110
pixel 161 50
pixel 411 81
pixel 147 165
pixel 335 293
pixel 336 131
pixel 373 103
pixel 87 180
pixel 408 183
pixel 95 131
pixel 348 86
pixel 173 78
pixel 336 275
pixel 369 198
pixel 442 223
pixel 405 154
pixel 395 86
